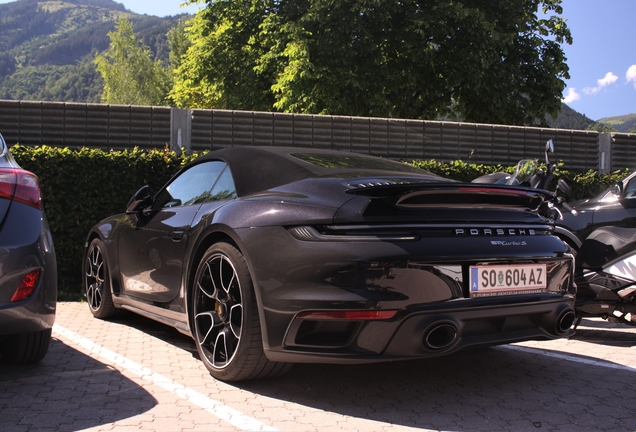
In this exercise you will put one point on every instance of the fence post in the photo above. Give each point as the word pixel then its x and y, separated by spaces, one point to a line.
pixel 604 153
pixel 181 130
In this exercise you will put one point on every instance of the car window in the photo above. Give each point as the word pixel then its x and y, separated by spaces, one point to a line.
pixel 224 187
pixel 630 189
pixel 192 186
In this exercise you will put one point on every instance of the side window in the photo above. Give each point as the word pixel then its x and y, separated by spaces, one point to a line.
pixel 630 190
pixel 192 186
pixel 224 187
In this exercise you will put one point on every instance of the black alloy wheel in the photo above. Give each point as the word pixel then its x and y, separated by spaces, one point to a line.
pixel 97 282
pixel 226 325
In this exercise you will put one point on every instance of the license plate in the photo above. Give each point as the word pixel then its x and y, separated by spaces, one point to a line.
pixel 497 280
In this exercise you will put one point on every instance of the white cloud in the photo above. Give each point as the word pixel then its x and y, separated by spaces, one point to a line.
pixel 608 79
pixel 571 96
pixel 631 75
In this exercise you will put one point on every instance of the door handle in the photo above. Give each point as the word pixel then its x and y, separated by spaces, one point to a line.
pixel 176 235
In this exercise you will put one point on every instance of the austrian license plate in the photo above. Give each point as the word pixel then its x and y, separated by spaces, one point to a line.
pixel 498 280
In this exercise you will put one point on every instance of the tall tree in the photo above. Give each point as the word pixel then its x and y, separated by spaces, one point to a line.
pixel 178 43
pixel 130 75
pixel 482 60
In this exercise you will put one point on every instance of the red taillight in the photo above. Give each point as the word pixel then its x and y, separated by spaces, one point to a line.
pixel 488 190
pixel 20 185
pixel 27 286
pixel 348 315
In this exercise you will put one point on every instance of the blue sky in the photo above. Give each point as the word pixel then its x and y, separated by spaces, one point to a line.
pixel 602 58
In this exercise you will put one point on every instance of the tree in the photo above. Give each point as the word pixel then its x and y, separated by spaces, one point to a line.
pixel 130 75
pixel 218 69
pixel 179 43
pixel 481 60
pixel 601 127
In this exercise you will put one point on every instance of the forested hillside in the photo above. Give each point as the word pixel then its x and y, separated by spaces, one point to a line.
pixel 625 123
pixel 570 119
pixel 47 47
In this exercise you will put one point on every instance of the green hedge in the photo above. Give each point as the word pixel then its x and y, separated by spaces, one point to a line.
pixel 82 187
pixel 584 184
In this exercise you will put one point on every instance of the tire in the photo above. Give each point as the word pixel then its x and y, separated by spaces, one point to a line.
pixel 25 348
pixel 97 282
pixel 224 318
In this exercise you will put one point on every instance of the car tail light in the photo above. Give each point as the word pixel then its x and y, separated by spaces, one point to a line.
pixel 27 286
pixel 20 185
pixel 348 315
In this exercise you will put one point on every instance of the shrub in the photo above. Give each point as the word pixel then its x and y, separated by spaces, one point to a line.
pixel 584 184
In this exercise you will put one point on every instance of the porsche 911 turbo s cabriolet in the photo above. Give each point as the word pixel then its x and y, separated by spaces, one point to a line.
pixel 271 256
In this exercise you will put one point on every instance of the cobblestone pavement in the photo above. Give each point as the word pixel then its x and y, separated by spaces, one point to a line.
pixel 134 374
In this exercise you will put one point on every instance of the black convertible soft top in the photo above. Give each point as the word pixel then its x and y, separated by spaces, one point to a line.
pixel 256 169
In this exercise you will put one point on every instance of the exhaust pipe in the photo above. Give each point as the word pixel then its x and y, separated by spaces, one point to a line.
pixel 440 336
pixel 565 321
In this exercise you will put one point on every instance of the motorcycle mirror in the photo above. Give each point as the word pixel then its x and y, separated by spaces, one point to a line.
pixel 549 146
pixel 563 187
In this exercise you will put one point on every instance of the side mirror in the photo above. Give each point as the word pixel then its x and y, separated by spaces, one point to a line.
pixel 617 189
pixel 140 200
pixel 549 146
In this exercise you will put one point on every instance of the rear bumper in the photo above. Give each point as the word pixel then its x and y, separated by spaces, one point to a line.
pixel 425 281
pixel 426 332
pixel 26 244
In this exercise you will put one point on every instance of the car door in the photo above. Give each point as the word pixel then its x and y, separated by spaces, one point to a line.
pixel 151 249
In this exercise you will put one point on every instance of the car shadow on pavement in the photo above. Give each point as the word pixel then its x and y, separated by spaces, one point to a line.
pixel 67 391
pixel 487 389
pixel 605 333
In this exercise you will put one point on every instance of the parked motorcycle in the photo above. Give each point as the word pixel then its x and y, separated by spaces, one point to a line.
pixel 605 264
pixel 528 173
pixel 605 276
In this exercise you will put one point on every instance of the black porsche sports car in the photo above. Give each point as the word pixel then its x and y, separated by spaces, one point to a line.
pixel 615 206
pixel 269 256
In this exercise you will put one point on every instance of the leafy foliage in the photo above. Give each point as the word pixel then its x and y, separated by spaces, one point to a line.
pixel 79 82
pixel 82 187
pixel 130 76
pixel 584 184
pixel 483 60
pixel 601 127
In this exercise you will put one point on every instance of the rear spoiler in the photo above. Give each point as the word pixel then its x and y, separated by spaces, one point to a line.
pixel 456 195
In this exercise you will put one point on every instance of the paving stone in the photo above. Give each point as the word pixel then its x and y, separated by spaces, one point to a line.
pixel 515 387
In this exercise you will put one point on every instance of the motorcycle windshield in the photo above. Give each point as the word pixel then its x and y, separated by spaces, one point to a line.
pixel 524 171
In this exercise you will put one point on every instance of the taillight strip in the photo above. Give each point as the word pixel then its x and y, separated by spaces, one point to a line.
pixel 353 315
pixel 21 186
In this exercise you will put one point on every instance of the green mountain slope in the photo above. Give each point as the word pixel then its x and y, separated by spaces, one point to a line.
pixel 624 123
pixel 570 119
pixel 47 47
